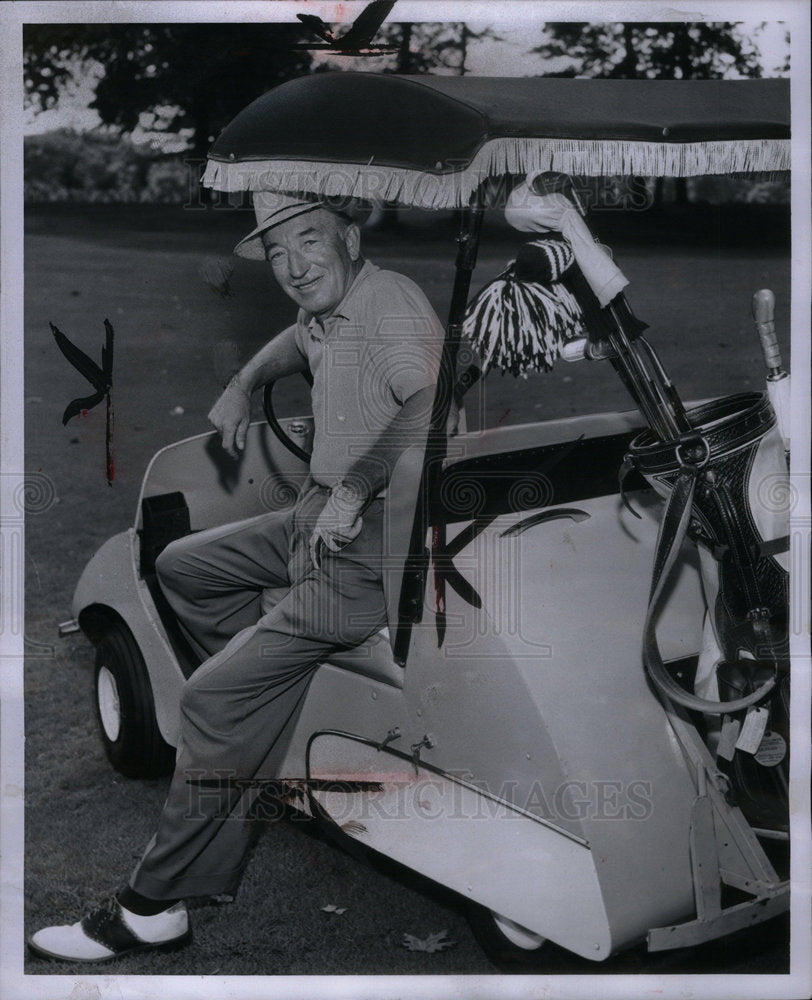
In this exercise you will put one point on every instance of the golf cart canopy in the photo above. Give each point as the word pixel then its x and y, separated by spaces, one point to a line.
pixel 430 141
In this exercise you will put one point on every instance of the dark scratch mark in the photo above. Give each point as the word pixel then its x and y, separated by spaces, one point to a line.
pixel 101 378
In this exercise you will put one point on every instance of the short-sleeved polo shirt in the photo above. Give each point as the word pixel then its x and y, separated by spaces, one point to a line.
pixel 381 344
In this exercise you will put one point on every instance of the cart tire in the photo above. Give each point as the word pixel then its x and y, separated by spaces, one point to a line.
pixel 510 947
pixel 125 707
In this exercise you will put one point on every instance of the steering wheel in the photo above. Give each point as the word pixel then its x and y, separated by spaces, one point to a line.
pixel 276 427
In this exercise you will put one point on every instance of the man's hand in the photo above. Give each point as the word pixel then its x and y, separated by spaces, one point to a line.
pixel 338 524
pixel 231 415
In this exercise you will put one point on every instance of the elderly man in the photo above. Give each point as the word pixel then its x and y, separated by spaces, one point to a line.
pixel 372 343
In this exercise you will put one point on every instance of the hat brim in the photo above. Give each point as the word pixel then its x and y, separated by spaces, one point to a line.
pixel 251 246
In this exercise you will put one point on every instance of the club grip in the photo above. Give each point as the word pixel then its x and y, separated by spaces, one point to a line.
pixel 552 182
pixel 763 312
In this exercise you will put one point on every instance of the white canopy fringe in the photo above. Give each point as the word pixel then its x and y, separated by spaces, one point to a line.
pixel 578 157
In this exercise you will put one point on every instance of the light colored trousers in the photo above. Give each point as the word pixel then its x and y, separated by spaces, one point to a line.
pixel 236 704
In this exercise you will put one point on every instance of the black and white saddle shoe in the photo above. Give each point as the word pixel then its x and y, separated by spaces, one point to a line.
pixel 110 931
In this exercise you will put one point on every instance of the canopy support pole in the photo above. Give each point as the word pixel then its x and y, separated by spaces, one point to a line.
pixel 417 563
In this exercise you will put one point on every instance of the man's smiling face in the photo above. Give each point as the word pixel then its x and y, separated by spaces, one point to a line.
pixel 315 258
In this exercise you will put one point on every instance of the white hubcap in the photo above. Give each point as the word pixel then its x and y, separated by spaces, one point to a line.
pixel 109 707
pixel 519 936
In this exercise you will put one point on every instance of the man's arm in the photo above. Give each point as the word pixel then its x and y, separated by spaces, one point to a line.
pixel 371 472
pixel 231 413
pixel 340 521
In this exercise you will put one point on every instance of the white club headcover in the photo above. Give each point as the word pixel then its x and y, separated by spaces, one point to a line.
pixel 532 213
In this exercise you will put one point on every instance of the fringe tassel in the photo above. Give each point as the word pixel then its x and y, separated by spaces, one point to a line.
pixel 519 326
pixel 579 157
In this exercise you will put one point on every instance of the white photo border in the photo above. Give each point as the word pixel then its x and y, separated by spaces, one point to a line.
pixel 17 986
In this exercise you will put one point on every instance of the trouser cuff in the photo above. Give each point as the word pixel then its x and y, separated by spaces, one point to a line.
pixel 187 886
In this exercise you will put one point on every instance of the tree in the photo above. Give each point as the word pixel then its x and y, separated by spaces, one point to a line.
pixel 426 48
pixel 665 50
pixel 193 76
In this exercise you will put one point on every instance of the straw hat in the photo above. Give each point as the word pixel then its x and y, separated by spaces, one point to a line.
pixel 272 208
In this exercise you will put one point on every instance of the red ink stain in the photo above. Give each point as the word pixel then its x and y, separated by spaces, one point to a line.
pixel 503 417
pixel 439 580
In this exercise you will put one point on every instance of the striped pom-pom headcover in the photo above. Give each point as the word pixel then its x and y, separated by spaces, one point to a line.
pixel 519 321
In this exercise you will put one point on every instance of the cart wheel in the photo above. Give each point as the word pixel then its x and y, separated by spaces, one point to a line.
pixel 509 946
pixel 125 707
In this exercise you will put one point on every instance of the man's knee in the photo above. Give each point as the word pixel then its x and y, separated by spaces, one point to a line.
pixel 168 562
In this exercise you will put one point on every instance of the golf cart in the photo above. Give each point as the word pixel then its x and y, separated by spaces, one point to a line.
pixel 528 729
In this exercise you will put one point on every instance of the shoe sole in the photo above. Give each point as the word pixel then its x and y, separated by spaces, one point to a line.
pixel 163 946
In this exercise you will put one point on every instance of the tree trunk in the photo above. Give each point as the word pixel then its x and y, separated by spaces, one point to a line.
pixel 628 65
pixel 463 47
pixel 404 57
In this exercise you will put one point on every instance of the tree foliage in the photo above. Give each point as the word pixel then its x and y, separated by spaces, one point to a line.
pixel 432 47
pixel 97 166
pixel 195 76
pixel 628 50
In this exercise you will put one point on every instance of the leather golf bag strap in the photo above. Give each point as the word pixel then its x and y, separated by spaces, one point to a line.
pixel 704 477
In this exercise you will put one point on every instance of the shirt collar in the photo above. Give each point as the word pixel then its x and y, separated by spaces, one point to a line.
pixel 342 310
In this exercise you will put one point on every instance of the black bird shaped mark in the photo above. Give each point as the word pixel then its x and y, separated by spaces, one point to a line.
pixel 100 378
pixel 356 41
pixel 317 26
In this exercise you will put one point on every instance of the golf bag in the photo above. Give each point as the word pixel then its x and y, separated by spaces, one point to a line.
pixel 725 488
